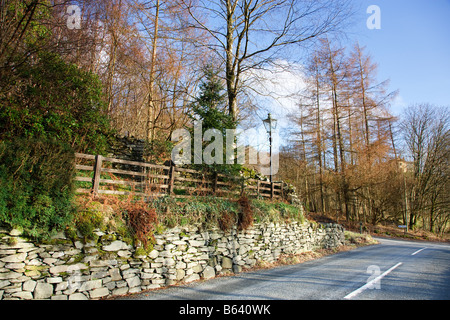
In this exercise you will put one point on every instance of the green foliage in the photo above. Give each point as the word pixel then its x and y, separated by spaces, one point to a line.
pixel 290 212
pixel 136 221
pixel 50 109
pixel 264 211
pixel 54 99
pixel 276 211
pixel 36 178
pixel 224 213
pixel 24 29
pixel 158 150
pixel 210 109
pixel 89 218
pixel 207 211
pixel 132 219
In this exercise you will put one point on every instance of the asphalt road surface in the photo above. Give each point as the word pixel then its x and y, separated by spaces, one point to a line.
pixel 392 270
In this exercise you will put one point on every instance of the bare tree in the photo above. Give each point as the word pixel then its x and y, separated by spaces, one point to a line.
pixel 427 137
pixel 349 143
pixel 249 34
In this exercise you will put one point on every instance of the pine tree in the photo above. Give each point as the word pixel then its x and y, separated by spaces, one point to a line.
pixel 210 106
pixel 210 109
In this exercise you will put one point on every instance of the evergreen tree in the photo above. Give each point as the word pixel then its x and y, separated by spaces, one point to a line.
pixel 210 109
pixel 210 106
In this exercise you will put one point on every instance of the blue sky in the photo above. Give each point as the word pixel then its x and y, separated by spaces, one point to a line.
pixel 412 48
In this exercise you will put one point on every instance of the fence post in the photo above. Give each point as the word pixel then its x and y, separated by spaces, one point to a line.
pixel 97 172
pixel 214 184
pixel 271 190
pixel 171 178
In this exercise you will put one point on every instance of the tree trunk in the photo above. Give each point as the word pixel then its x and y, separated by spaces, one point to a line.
pixel 151 96
pixel 231 72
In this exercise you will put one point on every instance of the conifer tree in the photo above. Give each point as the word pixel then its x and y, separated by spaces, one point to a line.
pixel 210 109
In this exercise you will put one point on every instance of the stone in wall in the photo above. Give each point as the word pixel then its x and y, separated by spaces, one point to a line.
pixel 67 269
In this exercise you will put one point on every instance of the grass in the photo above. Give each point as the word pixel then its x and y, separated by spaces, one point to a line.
pixel 383 229
pixel 125 214
pixel 212 211
pixel 395 232
pixel 359 239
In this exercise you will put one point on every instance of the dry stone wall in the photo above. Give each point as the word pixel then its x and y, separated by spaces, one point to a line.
pixel 67 269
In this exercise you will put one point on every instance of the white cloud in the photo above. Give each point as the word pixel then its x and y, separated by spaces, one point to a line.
pixel 398 104
pixel 277 90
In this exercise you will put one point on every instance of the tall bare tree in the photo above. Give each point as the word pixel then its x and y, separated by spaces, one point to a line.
pixel 427 137
pixel 249 34
pixel 357 136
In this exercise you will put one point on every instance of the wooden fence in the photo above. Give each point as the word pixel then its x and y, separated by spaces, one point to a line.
pixel 103 175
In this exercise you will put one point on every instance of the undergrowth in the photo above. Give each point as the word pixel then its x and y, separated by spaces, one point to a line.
pixel 138 221
pixel 245 217
pixel 133 219
pixel 142 221
pixel 36 186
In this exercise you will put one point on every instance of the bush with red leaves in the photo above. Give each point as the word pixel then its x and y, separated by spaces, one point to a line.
pixel 226 221
pixel 142 220
pixel 245 218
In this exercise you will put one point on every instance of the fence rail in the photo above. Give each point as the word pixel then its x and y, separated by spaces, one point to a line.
pixel 104 175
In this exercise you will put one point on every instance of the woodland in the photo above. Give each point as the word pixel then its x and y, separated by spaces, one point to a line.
pixel 74 75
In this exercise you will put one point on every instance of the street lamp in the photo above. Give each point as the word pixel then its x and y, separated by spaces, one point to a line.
pixel 270 124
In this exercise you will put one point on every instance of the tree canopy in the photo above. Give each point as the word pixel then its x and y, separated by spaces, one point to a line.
pixel 51 98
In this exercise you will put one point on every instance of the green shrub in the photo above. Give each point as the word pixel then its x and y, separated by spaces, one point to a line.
pixel 37 187
pixel 55 99
pixel 89 218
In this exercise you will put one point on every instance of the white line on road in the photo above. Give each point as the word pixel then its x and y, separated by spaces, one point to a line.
pixel 413 254
pixel 370 283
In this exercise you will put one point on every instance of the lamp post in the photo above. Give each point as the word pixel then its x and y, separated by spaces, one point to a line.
pixel 270 124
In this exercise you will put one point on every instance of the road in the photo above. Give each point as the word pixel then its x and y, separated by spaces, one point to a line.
pixel 392 270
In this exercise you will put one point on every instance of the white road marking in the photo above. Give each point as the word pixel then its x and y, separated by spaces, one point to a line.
pixel 370 283
pixel 413 254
